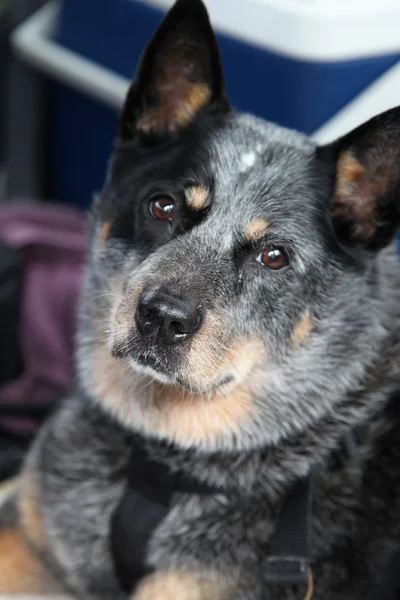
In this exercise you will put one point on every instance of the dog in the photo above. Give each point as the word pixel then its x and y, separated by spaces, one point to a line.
pixel 240 318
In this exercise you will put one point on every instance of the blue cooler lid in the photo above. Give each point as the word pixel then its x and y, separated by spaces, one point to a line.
pixel 299 89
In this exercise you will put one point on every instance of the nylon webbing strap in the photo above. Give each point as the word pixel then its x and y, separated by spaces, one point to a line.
pixel 145 503
pixel 288 560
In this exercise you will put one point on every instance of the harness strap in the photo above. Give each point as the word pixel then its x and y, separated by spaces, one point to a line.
pixel 288 560
pixel 145 503
pixel 289 556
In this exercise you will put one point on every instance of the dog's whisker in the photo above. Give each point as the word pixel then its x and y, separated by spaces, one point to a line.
pixel 107 295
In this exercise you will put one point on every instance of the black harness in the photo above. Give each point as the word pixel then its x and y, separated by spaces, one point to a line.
pixel 147 500
pixel 145 503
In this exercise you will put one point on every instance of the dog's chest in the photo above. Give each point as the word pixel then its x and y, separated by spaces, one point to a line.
pixel 350 507
pixel 146 502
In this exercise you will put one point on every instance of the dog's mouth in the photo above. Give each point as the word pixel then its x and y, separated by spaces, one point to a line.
pixel 212 387
pixel 163 371
pixel 149 360
pixel 159 368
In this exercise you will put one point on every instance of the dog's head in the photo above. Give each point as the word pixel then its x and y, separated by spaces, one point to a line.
pixel 232 296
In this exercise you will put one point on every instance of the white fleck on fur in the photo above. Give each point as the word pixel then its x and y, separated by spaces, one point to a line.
pixel 247 161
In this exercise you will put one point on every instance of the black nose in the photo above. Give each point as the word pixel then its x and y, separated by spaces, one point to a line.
pixel 166 319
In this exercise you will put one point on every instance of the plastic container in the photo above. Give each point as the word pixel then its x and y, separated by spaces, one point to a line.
pixel 291 61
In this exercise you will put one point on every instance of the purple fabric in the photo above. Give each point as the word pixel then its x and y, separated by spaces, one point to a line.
pixel 52 239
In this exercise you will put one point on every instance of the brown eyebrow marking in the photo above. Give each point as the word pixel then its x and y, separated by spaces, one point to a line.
pixel 256 228
pixel 197 197
pixel 302 329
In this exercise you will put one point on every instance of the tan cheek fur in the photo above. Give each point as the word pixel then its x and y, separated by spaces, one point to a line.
pixel 302 330
pixel 206 352
pixel 169 411
pixel 179 585
pixel 208 359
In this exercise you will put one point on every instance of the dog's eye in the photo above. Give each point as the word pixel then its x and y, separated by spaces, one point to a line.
pixel 273 257
pixel 162 207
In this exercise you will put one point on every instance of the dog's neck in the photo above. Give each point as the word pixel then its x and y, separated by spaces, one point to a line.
pixel 273 471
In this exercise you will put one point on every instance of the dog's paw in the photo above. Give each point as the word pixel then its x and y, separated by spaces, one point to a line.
pixel 180 585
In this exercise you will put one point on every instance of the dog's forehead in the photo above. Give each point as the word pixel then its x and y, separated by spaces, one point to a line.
pixel 249 133
pixel 261 171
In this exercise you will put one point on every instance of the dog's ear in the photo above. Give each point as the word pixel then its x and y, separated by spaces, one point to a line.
pixel 366 200
pixel 179 75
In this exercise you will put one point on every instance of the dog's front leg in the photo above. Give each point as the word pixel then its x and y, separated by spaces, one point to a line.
pixel 184 585
pixel 21 571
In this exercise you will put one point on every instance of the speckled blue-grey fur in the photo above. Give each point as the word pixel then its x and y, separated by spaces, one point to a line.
pixel 300 396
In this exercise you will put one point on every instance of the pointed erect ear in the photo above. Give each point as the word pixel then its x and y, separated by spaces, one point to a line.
pixel 366 201
pixel 179 75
